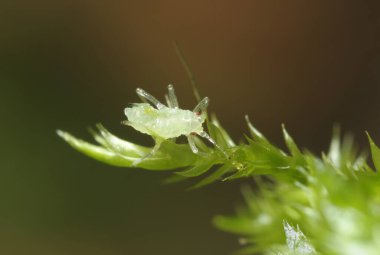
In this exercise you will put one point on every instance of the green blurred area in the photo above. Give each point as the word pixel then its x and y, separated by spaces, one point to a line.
pixel 72 64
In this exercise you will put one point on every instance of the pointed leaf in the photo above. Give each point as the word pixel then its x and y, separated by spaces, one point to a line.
pixel 335 152
pixel 105 155
pixel 114 143
pixel 255 133
pixel 238 225
pixel 216 134
pixel 96 152
pixel 224 133
pixel 174 179
pixel 217 175
pixel 293 148
pixel 240 174
pixel 375 152
pixel 198 169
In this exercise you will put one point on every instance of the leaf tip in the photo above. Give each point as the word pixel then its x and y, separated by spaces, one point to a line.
pixel 286 134
pixel 369 137
pixel 375 152
pixel 61 134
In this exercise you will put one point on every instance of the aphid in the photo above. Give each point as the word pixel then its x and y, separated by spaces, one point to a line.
pixel 167 122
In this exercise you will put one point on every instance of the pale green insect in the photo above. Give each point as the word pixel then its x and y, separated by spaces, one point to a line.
pixel 166 122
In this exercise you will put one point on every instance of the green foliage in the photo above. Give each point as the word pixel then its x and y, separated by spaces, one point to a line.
pixel 304 204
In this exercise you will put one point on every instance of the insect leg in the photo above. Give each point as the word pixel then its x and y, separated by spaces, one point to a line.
pixel 172 97
pixel 126 122
pixel 205 135
pixel 202 105
pixel 192 145
pixel 150 154
pixel 146 97
pixel 208 137
pixel 168 101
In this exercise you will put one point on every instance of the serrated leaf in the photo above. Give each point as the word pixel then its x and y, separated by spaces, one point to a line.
pixel 240 174
pixel 95 151
pixel 198 169
pixel 156 162
pixel 224 133
pixel 217 175
pixel 217 135
pixel 256 135
pixel 265 155
pixel 261 142
pixel 179 154
pixel 119 146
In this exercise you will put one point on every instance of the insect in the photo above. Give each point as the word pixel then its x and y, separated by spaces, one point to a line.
pixel 167 122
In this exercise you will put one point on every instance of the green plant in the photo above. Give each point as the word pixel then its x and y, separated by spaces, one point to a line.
pixel 304 204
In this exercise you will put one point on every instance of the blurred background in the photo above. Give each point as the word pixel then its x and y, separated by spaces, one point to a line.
pixel 71 64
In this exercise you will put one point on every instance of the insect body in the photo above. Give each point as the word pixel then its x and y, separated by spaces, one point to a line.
pixel 165 122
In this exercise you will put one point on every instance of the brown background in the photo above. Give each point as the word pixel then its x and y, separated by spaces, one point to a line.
pixel 71 64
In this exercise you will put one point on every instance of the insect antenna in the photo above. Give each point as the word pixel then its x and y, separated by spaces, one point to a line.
pixel 188 70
